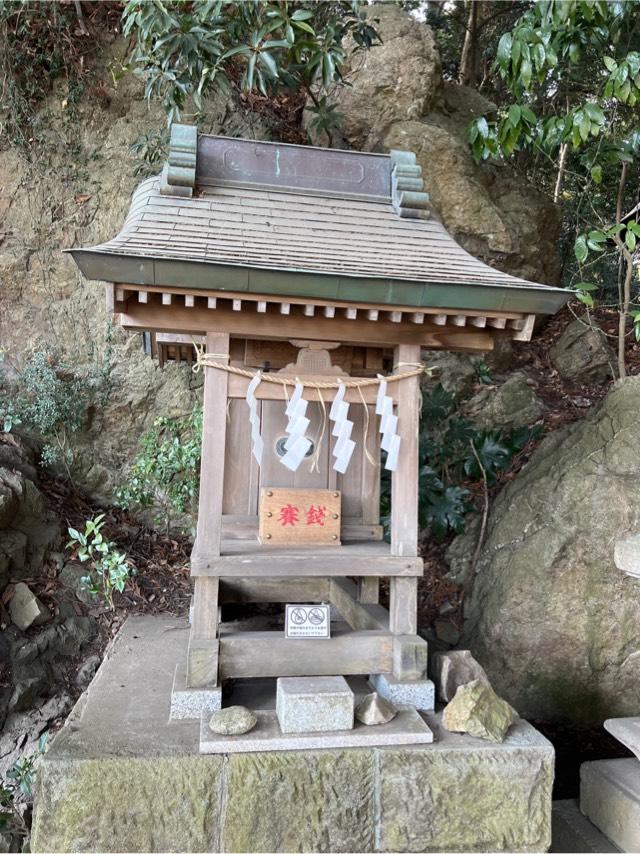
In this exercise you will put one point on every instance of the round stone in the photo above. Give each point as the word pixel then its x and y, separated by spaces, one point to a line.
pixel 235 720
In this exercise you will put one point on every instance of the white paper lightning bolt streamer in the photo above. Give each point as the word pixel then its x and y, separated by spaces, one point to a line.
pixel 342 427
pixel 257 445
pixel 390 441
pixel 297 444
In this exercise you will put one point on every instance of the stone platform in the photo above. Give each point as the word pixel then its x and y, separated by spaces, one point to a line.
pixel 120 777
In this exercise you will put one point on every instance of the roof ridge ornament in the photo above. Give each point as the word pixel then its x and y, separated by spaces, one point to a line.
pixel 179 172
pixel 407 196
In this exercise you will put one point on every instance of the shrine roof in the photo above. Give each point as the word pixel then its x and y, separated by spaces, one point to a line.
pixel 266 218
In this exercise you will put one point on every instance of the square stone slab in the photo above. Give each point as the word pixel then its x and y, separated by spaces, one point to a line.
pixel 627 731
pixel 420 694
pixel 314 704
pixel 189 703
pixel 406 728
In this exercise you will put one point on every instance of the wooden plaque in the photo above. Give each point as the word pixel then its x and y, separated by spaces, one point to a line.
pixel 298 517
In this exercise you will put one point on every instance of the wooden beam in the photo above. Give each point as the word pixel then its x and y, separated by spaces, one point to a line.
pixel 497 322
pixel 143 296
pixel 212 302
pixel 166 299
pixel 372 314
pixel 285 308
pixel 309 310
pixel 310 564
pixel 236 305
pixel 329 311
pixel 251 654
pixel 344 595
pixel 439 319
pixel 479 322
pixel 274 590
pixel 395 316
pixel 272 391
pixel 459 320
pixel 276 327
pixel 417 317
pixel 246 527
pixel 261 307
pixel 351 313
pixel 189 301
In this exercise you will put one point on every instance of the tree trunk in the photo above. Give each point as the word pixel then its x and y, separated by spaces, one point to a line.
pixel 471 56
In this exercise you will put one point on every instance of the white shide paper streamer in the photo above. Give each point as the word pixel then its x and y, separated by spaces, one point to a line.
pixel 342 427
pixel 257 444
pixel 390 441
pixel 297 444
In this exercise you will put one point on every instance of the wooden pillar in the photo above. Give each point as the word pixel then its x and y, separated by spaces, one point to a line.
pixel 403 592
pixel 202 667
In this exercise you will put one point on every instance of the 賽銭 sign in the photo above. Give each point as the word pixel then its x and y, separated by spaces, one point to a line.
pixel 299 517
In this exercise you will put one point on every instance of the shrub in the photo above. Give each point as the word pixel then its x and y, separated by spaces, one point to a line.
pixel 108 568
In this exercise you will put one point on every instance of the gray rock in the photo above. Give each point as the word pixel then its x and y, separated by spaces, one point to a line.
pixel 446 631
pixel 452 669
pixel 550 617
pixel 71 577
pixel 454 371
pixel 626 555
pixel 87 671
pixel 234 720
pixel 477 710
pixel 26 609
pixel 582 354
pixel 512 404
pixel 627 732
pixel 374 709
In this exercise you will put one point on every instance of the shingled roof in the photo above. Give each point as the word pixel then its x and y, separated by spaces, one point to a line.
pixel 266 218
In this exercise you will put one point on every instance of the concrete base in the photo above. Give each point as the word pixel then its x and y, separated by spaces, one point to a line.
pixel 190 703
pixel 573 832
pixel 610 798
pixel 421 695
pixel 118 777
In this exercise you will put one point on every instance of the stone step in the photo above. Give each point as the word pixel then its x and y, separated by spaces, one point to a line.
pixel 573 832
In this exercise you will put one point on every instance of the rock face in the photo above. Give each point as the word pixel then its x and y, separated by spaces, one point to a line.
pixel 582 354
pixel 549 615
pixel 477 710
pixel 45 301
pixel 397 99
pixel 512 404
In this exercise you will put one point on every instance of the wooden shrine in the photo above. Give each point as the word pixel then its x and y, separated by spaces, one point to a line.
pixel 324 270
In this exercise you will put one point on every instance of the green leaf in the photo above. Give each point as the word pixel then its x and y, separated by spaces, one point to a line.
pixel 503 55
pixel 594 112
pixel 587 299
pixel 610 63
pixel 580 249
pixel 515 113
pixel 596 174
pixel 630 240
pixel 525 73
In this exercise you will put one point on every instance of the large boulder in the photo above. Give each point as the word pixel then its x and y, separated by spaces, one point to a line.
pixel 397 99
pixel 512 404
pixel 548 614
pixel 582 354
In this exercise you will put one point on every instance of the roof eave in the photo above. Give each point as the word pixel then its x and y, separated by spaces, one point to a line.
pixel 213 277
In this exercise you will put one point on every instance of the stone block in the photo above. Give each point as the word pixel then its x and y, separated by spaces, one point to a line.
pixel 462 794
pixel 314 704
pixel 627 731
pixel 419 694
pixel 189 703
pixel 300 801
pixel 610 798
